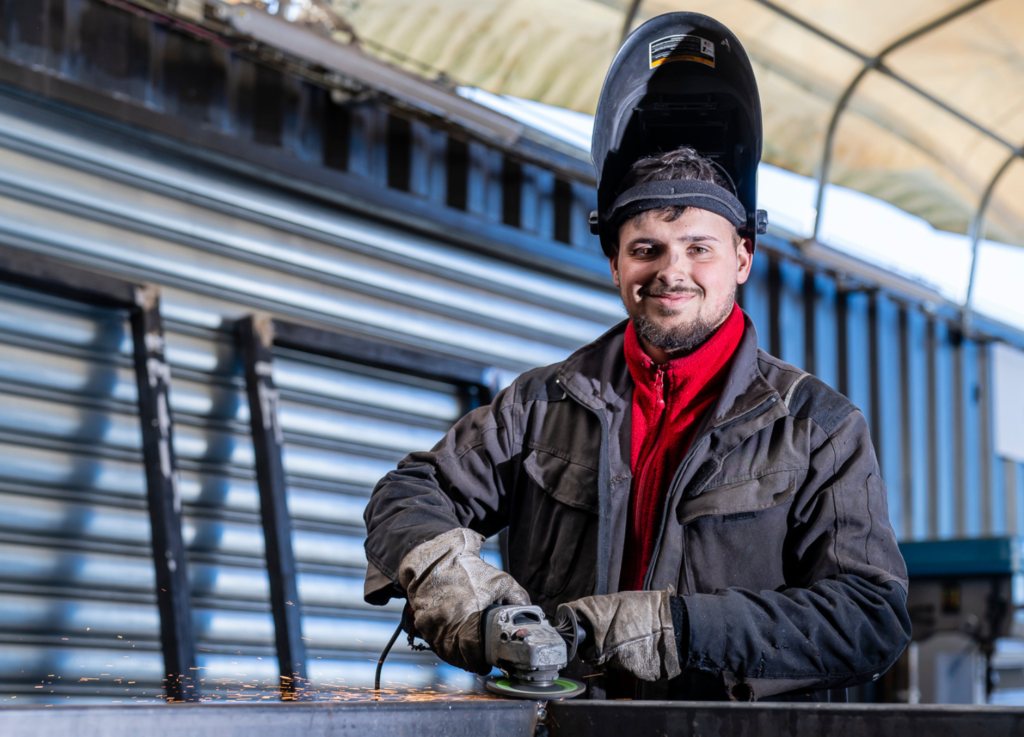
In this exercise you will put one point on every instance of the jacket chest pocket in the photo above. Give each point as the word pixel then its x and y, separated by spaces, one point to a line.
pixel 551 523
pixel 742 499
pixel 735 534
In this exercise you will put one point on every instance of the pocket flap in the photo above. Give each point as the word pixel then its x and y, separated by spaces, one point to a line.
pixel 570 483
pixel 751 495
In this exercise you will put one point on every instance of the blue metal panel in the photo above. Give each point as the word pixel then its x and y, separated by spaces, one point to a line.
pixel 755 300
pixel 919 418
pixel 538 206
pixel 942 402
pixel 484 193
pixel 889 444
pixel 368 149
pixel 791 314
pixel 826 348
pixel 997 521
pixel 427 166
pixel 584 200
pixel 982 557
pixel 1018 488
pixel 971 458
pixel 858 354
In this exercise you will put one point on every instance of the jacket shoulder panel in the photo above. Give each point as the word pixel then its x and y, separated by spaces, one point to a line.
pixel 539 384
pixel 805 395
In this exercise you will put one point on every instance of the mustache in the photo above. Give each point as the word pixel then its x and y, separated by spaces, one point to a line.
pixel 662 291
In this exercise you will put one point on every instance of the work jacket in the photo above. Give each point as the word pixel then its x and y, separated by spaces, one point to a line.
pixel 774 530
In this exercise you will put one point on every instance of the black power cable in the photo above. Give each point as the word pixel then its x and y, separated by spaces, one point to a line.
pixel 406 623
pixel 383 655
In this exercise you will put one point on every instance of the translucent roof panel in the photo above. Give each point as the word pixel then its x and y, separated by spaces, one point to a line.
pixel 1003 218
pixel 554 52
pixel 926 131
pixel 975 65
pixel 894 144
pixel 869 25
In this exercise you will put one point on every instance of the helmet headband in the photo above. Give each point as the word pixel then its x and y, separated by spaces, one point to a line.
pixel 679 193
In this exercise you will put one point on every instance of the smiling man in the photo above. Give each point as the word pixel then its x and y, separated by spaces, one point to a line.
pixel 713 516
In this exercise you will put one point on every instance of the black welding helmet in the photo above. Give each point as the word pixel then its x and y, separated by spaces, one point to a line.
pixel 680 79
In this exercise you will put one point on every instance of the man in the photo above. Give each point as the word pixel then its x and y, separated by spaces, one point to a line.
pixel 714 516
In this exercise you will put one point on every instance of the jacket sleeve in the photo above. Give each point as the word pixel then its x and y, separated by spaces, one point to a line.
pixel 461 482
pixel 843 620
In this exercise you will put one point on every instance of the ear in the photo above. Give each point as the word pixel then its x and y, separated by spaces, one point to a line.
pixel 613 264
pixel 744 260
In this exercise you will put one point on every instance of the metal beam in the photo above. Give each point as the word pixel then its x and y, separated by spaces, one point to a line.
pixel 256 337
pixel 427 364
pixel 627 21
pixel 142 302
pixel 169 558
pixel 977 229
pixel 875 63
pixel 352 63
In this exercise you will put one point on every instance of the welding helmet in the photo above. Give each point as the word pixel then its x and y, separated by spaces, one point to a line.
pixel 680 79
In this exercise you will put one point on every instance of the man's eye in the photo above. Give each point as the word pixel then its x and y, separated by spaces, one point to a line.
pixel 643 251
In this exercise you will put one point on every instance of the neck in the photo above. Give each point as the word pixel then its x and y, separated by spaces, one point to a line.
pixel 660 356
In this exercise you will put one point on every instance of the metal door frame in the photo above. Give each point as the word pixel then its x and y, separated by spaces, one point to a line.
pixel 142 302
pixel 258 334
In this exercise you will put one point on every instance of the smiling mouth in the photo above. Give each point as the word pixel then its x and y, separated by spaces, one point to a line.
pixel 668 298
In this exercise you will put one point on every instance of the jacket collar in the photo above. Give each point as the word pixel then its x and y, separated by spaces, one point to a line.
pixel 598 377
pixel 745 388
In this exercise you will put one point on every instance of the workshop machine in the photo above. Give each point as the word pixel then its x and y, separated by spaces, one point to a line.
pixel 962 598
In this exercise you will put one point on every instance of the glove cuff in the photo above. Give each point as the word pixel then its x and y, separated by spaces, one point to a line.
pixel 669 644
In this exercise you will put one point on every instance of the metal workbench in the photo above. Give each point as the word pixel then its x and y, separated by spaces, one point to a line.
pixel 474 718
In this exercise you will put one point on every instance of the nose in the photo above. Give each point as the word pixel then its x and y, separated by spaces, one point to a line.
pixel 672 267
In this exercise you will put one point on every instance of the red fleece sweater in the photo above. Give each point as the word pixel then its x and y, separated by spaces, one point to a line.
pixel 669 402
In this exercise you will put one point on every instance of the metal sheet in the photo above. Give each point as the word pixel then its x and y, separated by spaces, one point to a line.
pixel 510 717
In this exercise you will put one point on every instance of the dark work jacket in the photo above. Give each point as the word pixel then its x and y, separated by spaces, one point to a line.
pixel 775 530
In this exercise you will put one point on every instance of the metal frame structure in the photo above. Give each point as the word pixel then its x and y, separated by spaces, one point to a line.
pixel 258 334
pixel 877 63
pixel 142 301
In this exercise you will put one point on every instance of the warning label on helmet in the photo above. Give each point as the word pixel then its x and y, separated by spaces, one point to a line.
pixel 682 48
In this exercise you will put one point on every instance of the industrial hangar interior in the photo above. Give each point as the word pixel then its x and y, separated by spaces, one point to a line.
pixel 254 253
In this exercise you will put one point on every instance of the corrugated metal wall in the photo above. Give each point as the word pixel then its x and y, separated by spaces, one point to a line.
pixel 74 558
pixel 345 426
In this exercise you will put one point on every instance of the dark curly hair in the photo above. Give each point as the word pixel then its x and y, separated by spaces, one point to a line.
pixel 683 163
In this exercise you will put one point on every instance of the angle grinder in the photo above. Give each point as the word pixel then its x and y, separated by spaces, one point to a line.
pixel 530 651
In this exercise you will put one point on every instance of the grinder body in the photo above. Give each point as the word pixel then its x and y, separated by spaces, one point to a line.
pixel 530 651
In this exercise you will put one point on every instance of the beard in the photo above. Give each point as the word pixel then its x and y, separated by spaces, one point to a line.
pixel 678 339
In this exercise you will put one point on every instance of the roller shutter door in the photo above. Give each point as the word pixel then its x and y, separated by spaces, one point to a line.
pixel 78 611
pixel 74 559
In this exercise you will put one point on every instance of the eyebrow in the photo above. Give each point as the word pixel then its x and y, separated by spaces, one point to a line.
pixel 685 239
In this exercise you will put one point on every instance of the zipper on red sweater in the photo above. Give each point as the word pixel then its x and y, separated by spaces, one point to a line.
pixel 643 480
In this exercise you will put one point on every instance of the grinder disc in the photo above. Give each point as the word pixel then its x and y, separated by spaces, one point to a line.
pixel 561 688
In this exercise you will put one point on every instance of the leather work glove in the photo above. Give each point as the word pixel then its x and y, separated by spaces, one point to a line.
pixel 449 586
pixel 629 631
